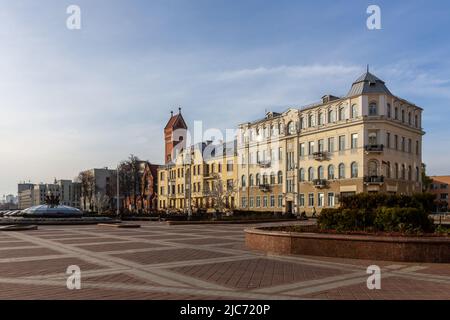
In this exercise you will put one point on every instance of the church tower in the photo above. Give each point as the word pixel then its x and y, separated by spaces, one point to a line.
pixel 174 134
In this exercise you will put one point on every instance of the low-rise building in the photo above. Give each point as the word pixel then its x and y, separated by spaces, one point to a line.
pixel 439 187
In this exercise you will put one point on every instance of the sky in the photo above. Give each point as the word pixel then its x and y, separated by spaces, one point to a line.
pixel 71 100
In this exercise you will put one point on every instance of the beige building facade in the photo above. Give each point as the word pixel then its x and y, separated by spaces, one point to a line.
pixel 305 159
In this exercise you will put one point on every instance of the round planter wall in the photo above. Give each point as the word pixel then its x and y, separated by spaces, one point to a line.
pixel 406 249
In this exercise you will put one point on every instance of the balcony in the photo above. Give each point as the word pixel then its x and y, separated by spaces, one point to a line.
pixel 374 179
pixel 264 187
pixel 320 183
pixel 319 156
pixel 374 148
pixel 264 163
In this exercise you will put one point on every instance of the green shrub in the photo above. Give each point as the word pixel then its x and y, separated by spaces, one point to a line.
pixel 408 220
pixel 345 219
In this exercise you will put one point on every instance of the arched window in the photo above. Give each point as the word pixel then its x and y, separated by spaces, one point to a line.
pixel 280 177
pixel 258 179
pixel 417 174
pixel 265 179
pixel 416 121
pixel 354 170
pixel 373 110
pixel 310 174
pixel 403 116
pixel 243 181
pixel 302 123
pixel 396 113
pixel 291 127
pixel 373 168
pixel 388 111
pixel 330 116
pixel 409 173
pixel 302 174
pixel 320 174
pixel 373 138
pixel 409 118
pixel 330 172
pixel 341 171
pixel 396 171
pixel 251 181
pixel 403 172
pixel 341 113
pixel 272 178
pixel 354 111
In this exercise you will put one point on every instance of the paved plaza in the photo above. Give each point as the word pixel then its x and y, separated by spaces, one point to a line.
pixel 159 261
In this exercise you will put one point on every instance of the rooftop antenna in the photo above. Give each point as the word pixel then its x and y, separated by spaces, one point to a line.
pixel 171 113
pixel 179 110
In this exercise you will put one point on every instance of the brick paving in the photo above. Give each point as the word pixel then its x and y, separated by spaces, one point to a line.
pixel 192 262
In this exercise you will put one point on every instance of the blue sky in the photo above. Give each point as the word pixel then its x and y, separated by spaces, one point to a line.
pixel 72 100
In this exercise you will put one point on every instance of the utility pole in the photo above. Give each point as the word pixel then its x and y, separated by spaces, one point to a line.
pixel 118 192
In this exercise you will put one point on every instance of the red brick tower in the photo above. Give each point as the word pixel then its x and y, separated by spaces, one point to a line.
pixel 174 134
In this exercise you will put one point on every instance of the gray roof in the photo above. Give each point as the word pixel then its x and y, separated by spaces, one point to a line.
pixel 366 84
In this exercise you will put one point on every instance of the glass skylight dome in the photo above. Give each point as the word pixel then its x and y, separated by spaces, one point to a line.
pixel 52 211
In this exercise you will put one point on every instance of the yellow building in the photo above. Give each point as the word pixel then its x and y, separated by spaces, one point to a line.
pixel 304 159
pixel 202 177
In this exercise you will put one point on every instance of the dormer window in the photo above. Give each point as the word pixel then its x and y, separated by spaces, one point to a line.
pixel 373 110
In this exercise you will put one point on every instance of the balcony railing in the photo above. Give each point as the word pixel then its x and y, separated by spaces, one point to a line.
pixel 374 148
pixel 320 156
pixel 264 187
pixel 374 179
pixel 320 183
pixel 264 163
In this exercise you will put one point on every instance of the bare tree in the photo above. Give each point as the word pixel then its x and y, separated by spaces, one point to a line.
pixel 101 202
pixel 220 192
pixel 87 181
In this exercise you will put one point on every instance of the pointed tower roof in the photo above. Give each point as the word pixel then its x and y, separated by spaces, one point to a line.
pixel 176 121
pixel 368 83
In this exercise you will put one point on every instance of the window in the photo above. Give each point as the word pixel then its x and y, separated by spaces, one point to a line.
pixel 258 201
pixel 311 120
pixel 272 201
pixel 403 144
pixel 280 201
pixel 409 145
pixel 403 172
pixel 290 185
pixel 265 203
pixel 310 147
pixel 302 123
pixel 301 199
pixel 354 111
pixel 403 116
pixel 302 149
pixel 330 144
pixel 417 174
pixel 354 140
pixel 409 173
pixel 291 127
pixel 280 177
pixel 243 181
pixel 252 202
pixel 396 113
pixel 265 179
pixel 388 169
pixel 354 169
pixel 341 143
pixel 258 179
pixel 311 199
pixel 320 119
pixel 417 148
pixel 320 174
pixel 320 199
pixel 251 181
pixel 290 161
pixel 396 171
pixel 302 175
pixel 280 154
pixel 320 145
pixel 341 114
pixel 330 199
pixel 388 111
pixel 373 168
pixel 396 142
pixel 331 116
pixel 330 172
pixel 373 110
pixel 310 174
pixel 229 165
pixel 388 139
pixel 409 118
pixel 244 202
pixel 341 171
pixel 272 178
pixel 373 139
pixel 416 121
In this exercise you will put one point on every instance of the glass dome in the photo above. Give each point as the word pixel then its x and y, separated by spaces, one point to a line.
pixel 52 211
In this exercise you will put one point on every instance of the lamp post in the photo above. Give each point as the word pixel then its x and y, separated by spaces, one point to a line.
pixel 118 192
